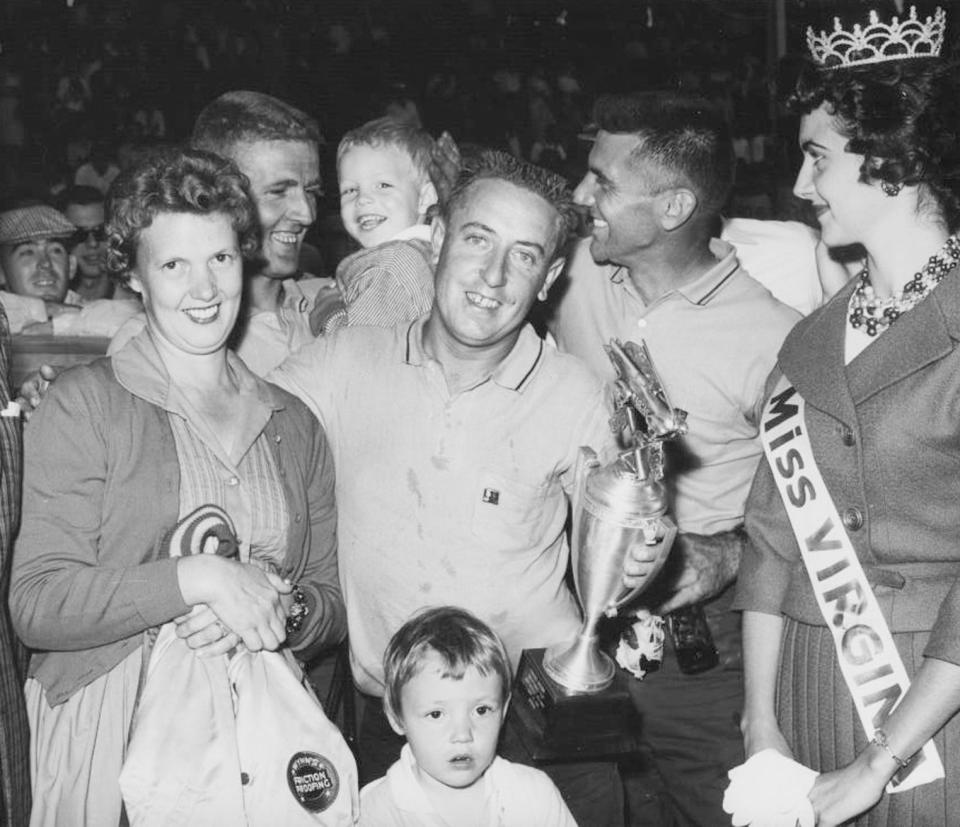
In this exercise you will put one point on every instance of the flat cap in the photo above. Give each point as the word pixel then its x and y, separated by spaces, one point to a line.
pixel 29 223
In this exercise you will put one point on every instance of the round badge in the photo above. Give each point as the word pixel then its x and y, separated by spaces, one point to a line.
pixel 313 781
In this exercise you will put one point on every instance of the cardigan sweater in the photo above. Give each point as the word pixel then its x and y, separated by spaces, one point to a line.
pixel 101 490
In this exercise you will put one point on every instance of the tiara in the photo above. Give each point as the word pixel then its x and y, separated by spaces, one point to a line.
pixel 878 42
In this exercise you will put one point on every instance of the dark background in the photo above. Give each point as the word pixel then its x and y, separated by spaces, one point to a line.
pixel 103 75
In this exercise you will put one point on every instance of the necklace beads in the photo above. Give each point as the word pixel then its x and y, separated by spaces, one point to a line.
pixel 876 315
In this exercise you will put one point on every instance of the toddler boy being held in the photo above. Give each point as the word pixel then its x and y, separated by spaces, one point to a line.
pixel 447 686
pixel 385 192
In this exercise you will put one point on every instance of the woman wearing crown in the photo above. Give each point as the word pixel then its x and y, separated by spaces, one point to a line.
pixel 850 590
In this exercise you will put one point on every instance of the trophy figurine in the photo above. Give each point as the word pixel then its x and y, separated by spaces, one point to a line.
pixel 573 701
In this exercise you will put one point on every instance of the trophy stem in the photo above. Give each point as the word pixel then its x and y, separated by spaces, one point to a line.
pixel 580 666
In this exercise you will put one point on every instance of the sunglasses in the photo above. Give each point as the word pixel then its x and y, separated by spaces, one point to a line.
pixel 82 234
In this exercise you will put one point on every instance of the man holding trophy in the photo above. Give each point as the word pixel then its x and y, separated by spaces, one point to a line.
pixel 659 171
pixel 455 440
pixel 570 699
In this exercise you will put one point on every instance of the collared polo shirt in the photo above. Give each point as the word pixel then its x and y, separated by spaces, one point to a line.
pixel 450 498
pixel 713 341
pixel 270 336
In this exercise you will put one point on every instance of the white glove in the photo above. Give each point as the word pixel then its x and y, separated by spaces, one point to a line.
pixel 770 790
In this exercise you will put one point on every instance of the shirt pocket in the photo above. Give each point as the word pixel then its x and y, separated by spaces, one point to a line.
pixel 508 512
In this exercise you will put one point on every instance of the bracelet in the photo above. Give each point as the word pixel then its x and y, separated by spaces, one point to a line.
pixel 880 740
pixel 298 611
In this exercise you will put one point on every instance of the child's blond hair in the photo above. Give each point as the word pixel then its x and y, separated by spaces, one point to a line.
pixel 414 142
pixel 457 637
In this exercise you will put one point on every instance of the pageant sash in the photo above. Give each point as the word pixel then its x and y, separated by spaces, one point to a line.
pixel 868 658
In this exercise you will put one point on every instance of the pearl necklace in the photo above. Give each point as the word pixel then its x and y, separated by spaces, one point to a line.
pixel 876 315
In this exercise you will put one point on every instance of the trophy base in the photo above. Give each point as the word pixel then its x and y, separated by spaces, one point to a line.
pixel 579 667
pixel 556 724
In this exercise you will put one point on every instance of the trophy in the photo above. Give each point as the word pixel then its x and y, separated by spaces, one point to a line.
pixel 571 700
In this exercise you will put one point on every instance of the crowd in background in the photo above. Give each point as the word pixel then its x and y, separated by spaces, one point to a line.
pixel 86 85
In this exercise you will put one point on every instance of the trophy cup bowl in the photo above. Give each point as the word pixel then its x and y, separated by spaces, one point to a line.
pixel 616 507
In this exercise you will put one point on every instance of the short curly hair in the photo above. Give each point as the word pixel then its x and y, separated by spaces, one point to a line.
pixel 903 116
pixel 176 181
pixel 552 188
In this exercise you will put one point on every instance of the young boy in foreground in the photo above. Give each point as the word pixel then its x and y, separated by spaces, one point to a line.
pixel 385 192
pixel 447 690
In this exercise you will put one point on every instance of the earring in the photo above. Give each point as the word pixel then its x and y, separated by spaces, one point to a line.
pixel 890 188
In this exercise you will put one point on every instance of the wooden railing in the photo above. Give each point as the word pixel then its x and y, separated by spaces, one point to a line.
pixel 29 352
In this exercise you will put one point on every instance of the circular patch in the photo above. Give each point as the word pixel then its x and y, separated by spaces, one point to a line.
pixel 313 781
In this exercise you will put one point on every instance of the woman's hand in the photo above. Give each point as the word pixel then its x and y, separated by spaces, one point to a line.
pixel 286 600
pixel 205 633
pixel 244 597
pixel 844 794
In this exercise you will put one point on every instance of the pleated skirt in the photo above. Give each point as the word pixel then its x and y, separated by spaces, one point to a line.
pixel 820 722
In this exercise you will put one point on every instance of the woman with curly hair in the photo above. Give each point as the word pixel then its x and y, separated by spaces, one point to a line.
pixel 849 587
pixel 118 456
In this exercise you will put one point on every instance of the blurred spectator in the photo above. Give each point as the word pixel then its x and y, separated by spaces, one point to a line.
pixel 401 107
pixel 149 122
pixel 73 94
pixel 83 207
pixel 12 129
pixel 100 170
pixel 38 267
pixel 518 78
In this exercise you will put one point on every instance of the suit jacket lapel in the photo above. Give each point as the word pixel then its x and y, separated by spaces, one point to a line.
pixel 812 359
